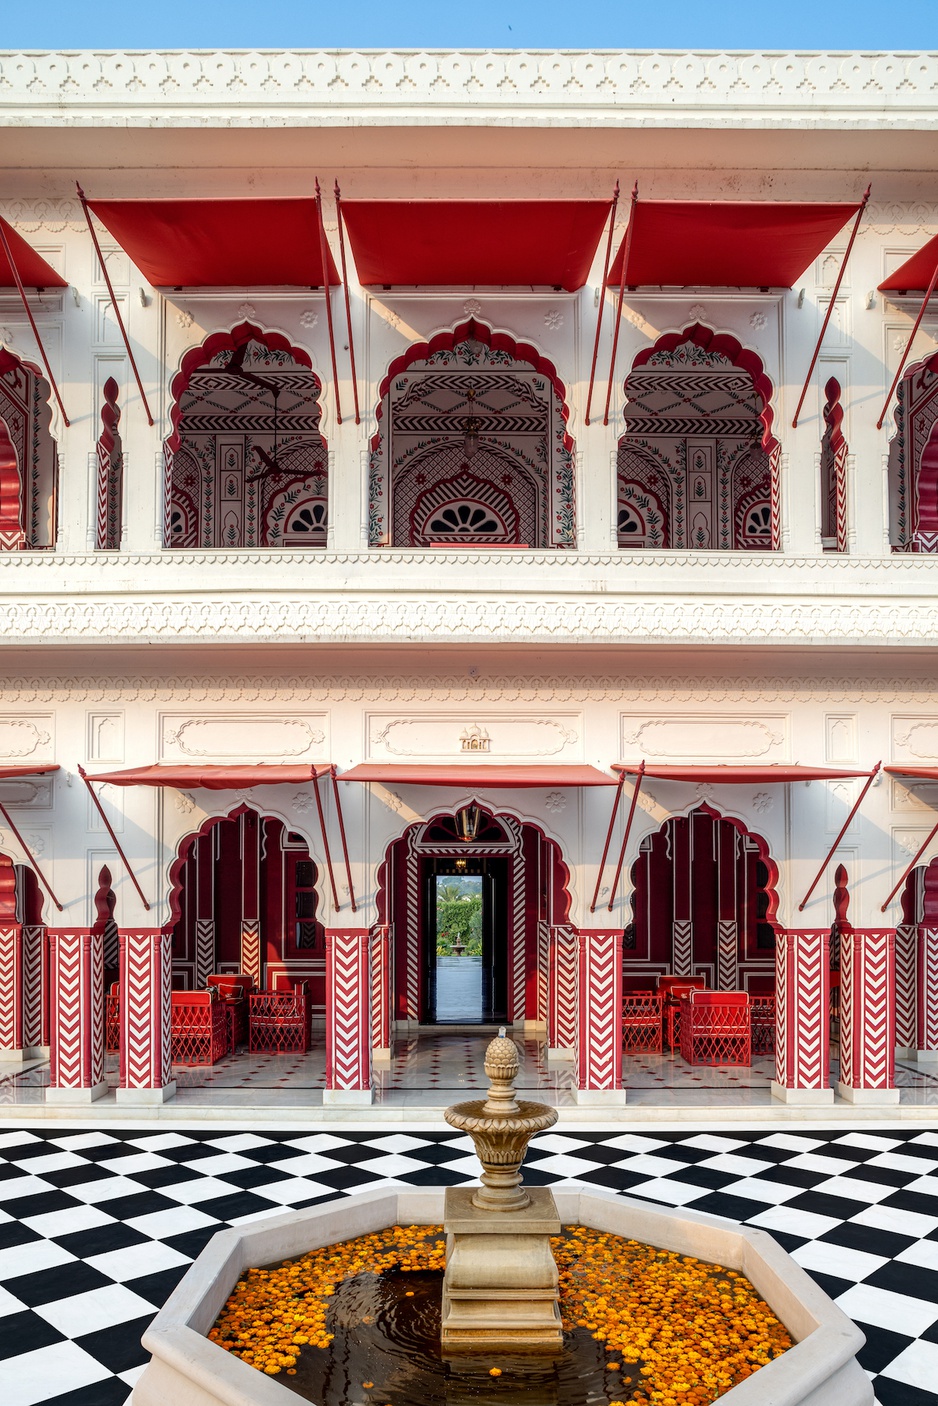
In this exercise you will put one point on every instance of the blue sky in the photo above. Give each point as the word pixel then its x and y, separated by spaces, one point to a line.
pixel 804 24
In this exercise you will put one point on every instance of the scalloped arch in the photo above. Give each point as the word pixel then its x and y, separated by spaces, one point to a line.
pixel 724 344
pixel 216 342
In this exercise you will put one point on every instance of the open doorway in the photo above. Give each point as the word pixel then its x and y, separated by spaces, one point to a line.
pixel 466 958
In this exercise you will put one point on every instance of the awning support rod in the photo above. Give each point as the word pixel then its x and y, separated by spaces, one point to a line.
pixel 325 841
pixel 622 281
pixel 32 321
pixel 117 311
pixel 348 310
pixel 338 811
pixel 612 821
pixel 908 346
pixel 830 306
pixel 625 838
pixel 909 867
pixel 602 305
pixel 843 830
pixel 324 256
pixel 110 829
pixel 31 857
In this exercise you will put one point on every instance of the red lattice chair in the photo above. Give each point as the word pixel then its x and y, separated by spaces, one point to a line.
pixel 762 1011
pixel 674 989
pixel 112 1019
pixel 199 1029
pixel 280 1020
pixel 642 1022
pixel 716 1027
pixel 233 991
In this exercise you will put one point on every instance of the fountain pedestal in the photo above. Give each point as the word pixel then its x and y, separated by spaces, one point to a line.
pixel 500 1290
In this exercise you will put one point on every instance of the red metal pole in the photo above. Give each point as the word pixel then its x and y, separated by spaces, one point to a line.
pixel 612 821
pixel 325 842
pixel 908 346
pixel 39 874
pixel 843 830
pixel 625 264
pixel 324 257
pixel 625 837
pixel 348 310
pixel 602 302
pixel 110 829
pixel 117 311
pixel 908 869
pixel 830 306
pixel 32 321
pixel 338 811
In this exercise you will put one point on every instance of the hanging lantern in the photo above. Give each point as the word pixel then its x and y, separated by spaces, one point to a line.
pixel 467 823
pixel 470 442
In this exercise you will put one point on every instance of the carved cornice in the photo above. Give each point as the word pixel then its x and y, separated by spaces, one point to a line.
pixel 320 86
pixel 409 618
pixel 227 689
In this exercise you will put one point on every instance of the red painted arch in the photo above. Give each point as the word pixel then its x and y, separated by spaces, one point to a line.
pixel 182 854
pixel 726 345
pixel 478 332
pixel 217 342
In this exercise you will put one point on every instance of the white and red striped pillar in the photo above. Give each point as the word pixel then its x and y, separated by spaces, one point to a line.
pixel 12 1039
pixel 599 1018
pixel 868 1016
pixel 76 1016
pixel 802 1018
pixel 146 1068
pixel 348 1017
pixel 562 994
pixel 926 973
pixel 906 990
pixel 381 995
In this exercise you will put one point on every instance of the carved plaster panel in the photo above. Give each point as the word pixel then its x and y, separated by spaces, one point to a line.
pixel 915 739
pixel 33 792
pixel 448 735
pixel 690 737
pixel 840 738
pixel 105 737
pixel 27 739
pixel 909 794
pixel 242 736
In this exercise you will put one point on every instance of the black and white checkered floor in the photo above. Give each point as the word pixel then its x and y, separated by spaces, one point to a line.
pixel 97 1227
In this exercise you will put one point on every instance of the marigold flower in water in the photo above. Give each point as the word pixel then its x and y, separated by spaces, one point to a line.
pixel 495 1371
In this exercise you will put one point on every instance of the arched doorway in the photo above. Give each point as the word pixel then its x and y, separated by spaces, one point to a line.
pixel 246 465
pixel 472 446
pixel 244 900
pixel 28 457
pixel 514 881
pixel 704 903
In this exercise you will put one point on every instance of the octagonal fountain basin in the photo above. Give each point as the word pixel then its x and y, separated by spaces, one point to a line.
pixel 186 1369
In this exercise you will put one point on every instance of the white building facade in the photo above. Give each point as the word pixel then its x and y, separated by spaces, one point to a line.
pixel 476 591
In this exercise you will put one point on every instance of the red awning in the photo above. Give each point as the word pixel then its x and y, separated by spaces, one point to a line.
pixel 215 778
pixel 914 773
pixel 220 243
pixel 32 268
pixel 488 243
pixel 725 244
pixel 483 774
pixel 915 274
pixel 13 769
pixel 727 774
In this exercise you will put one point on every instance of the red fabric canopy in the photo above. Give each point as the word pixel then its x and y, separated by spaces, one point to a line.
pixel 483 774
pixel 219 243
pixel 11 769
pixel 214 778
pixel 727 774
pixel 920 773
pixel 725 244
pixel 492 243
pixel 32 268
pixel 915 274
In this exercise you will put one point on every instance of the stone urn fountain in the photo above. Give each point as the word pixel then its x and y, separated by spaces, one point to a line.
pixel 500 1288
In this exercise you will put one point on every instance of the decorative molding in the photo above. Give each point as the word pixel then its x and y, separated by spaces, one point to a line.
pixel 318 87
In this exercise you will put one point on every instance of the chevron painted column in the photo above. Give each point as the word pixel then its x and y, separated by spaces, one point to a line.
pixel 868 1017
pixel 381 995
pixel 927 987
pixel 906 990
pixel 348 1017
pixel 11 994
pixel 599 1018
pixel 562 994
pixel 35 988
pixel 76 1016
pixel 802 1019
pixel 146 1017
